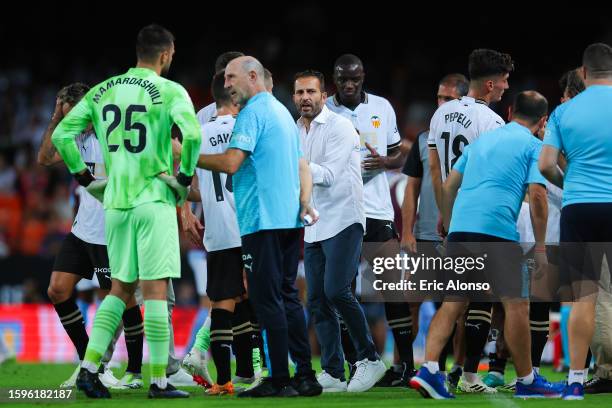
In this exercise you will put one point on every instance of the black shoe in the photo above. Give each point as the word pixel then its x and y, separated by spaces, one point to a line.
pixel 270 388
pixel 390 379
pixel 91 385
pixel 598 386
pixel 393 378
pixel 306 385
pixel 453 378
pixel 168 392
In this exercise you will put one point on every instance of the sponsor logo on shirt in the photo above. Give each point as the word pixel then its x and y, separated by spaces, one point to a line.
pixel 243 139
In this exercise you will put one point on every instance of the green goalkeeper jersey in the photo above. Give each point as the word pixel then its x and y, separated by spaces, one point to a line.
pixel 132 115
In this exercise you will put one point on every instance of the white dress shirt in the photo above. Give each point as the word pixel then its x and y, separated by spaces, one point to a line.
pixel 332 148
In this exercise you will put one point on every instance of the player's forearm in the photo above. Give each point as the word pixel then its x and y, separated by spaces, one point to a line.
pixel 547 164
pixel 47 154
pixel 63 139
pixel 228 162
pixel 538 206
pixel 395 159
pixel 409 205
pixel 436 181
pixel 190 151
pixel 305 182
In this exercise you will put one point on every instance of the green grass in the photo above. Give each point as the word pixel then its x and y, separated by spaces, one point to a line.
pixel 16 375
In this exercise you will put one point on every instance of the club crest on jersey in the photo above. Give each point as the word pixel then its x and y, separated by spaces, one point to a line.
pixel 376 122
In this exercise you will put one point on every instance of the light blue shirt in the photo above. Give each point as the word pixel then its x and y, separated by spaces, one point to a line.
pixel 496 170
pixel 267 185
pixel 581 129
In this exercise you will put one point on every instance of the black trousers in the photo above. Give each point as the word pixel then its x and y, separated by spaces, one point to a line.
pixel 271 259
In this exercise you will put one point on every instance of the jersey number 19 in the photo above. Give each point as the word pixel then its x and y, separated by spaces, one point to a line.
pixel 458 144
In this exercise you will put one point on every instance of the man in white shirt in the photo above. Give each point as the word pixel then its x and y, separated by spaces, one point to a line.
pixel 374 119
pixel 333 245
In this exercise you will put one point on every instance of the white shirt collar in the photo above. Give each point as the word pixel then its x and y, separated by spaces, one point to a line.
pixel 321 118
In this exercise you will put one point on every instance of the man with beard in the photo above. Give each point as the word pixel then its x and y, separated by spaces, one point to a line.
pixel 333 246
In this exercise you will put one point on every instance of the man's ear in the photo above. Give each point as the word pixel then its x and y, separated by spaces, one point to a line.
pixel 583 72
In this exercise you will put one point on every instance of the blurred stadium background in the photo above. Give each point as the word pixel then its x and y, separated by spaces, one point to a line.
pixel 404 52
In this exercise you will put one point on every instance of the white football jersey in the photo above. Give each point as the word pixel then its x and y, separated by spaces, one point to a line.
pixel 220 222
pixel 88 224
pixel 456 124
pixel 207 113
pixel 376 124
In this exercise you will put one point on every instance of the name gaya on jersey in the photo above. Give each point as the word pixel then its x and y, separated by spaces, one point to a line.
pixel 375 122
pixel 456 124
pixel 216 190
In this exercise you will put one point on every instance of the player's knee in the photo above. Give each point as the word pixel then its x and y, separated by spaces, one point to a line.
pixel 57 293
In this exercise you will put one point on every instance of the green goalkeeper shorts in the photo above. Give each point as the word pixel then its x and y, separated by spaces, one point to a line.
pixel 143 242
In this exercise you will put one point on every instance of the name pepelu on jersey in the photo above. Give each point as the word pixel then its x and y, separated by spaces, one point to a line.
pixel 88 223
pixel 455 125
pixel 221 225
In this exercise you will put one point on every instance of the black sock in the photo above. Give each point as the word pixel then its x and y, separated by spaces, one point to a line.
pixel 74 324
pixel 243 340
pixel 477 325
pixel 133 329
pixel 587 363
pixel 221 343
pixel 350 354
pixel 538 324
pixel 400 323
pixel 257 340
pixel 497 364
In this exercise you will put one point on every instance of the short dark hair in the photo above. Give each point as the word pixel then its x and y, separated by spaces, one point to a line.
pixel 219 92
pixel 73 93
pixel 457 81
pixel 530 105
pixel 597 59
pixel 348 59
pixel 311 73
pixel 151 41
pixel 225 58
pixel 572 83
pixel 485 63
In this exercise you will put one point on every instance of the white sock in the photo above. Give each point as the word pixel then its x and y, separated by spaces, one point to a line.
pixel 576 376
pixel 470 377
pixel 586 373
pixel 161 382
pixel 497 374
pixel 537 370
pixel 432 366
pixel 207 322
pixel 91 367
pixel 527 380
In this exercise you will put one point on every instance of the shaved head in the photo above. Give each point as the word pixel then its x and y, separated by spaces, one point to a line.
pixel 348 78
pixel 530 106
pixel 244 77
pixel 347 61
